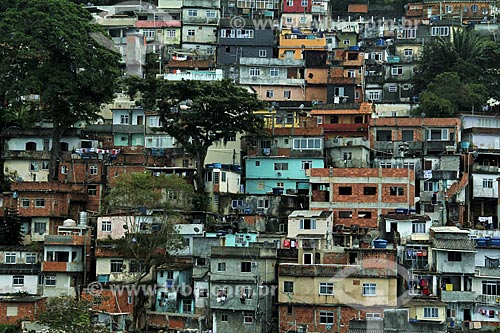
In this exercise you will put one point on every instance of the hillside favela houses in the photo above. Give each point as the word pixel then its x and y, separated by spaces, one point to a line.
pixel 352 211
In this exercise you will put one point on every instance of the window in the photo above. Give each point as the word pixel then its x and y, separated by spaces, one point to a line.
pixel 274 72
pixel 254 71
pixel 30 146
pixel 280 166
pixel 248 33
pixel 170 33
pixel 397 191
pixel 12 311
pixel 385 165
pixel 124 119
pixel 106 226
pixel 116 266
pixel 437 134
pixel 484 11
pixel 25 203
pixel 262 53
pixel 187 305
pixel 39 203
pixel 223 317
pixel 326 317
pixel 306 165
pixel 369 289
pixel 383 135
pixel 304 3
pixel 303 20
pixel 474 8
pixel 221 267
pixel 247 317
pixel 289 20
pixel 454 256
pixel 351 73
pixel 369 190
pixel 236 203
pixel 34 167
pixel 346 41
pixel 326 288
pixel 430 186
pixel 345 190
pixel 491 288
pixel 289 3
pixel 431 312
pixel 407 33
pixel 269 93
pixel 364 215
pixel 31 258
pixel 92 190
pixel 154 121
pixel 308 259
pixel 373 316
pixel 487 183
pixel 345 214
pixel 191 32
pixel 374 96
pixel 392 88
pixel 280 184
pixel 40 227
pixel 262 203
pixel 289 310
pixel 319 120
pixel 418 227
pixel 407 135
pixel 50 280
pixel 18 280
pixel 210 14
pixel 288 286
pixel 307 224
pixel 192 12
pixel 287 94
pixel 246 293
pixel 310 143
pixel 246 266
pixel 440 31
pixel 93 169
pixel 397 70
pixel 447 8
pixel 10 257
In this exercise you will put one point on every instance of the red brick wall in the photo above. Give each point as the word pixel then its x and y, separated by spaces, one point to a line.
pixel 339 258
pixel 25 310
pixel 309 315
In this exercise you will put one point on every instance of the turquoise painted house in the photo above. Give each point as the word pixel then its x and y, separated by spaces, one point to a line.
pixel 279 174
pixel 174 290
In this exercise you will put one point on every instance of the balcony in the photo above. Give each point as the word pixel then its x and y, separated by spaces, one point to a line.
pixel 195 75
pixel 485 168
pixel 201 3
pixel 55 266
pixel 66 240
pixel 344 80
pixel 345 127
pixel 458 296
pixel 200 20
pixel 27 154
pixel 27 269
pixel 488 299
pixel 374 79
pixel 318 9
pixel 128 128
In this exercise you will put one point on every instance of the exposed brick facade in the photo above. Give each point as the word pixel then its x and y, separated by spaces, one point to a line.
pixel 27 308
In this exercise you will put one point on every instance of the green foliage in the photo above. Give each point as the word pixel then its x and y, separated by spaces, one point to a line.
pixel 67 314
pixel 11 228
pixel 6 328
pixel 51 49
pixel 447 95
pixel 457 74
pixel 198 114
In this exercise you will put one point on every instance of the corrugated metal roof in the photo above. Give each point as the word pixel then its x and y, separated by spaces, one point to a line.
pixel 454 244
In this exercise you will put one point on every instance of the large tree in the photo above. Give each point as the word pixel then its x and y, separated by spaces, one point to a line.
pixel 199 113
pixel 11 228
pixel 69 315
pixel 54 66
pixel 151 200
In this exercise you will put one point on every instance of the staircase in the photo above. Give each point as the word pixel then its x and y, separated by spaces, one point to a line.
pixel 458 186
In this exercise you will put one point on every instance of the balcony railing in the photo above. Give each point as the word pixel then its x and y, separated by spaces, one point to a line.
pixel 20 268
pixel 55 266
pixel 345 127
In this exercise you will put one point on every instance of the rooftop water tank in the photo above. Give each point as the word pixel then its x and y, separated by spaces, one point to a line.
pixel 83 218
